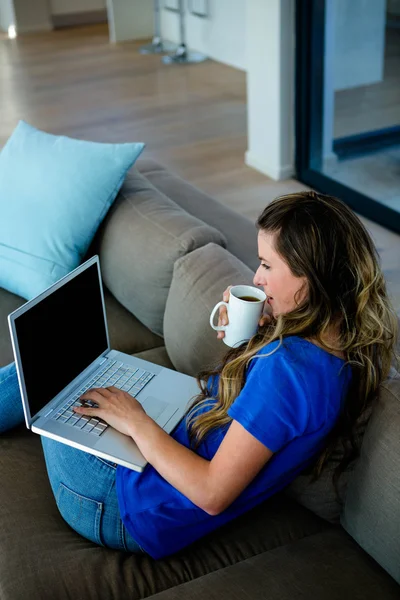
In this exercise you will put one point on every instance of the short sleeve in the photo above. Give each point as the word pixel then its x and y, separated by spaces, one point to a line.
pixel 273 404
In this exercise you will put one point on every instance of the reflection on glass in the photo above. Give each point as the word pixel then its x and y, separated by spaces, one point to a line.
pixel 361 124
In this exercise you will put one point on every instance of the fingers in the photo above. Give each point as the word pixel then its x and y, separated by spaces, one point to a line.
pixel 225 295
pixel 222 318
pixel 94 399
pixel 97 395
pixel 86 410
pixel 100 395
pixel 223 313
pixel 105 392
pixel 265 318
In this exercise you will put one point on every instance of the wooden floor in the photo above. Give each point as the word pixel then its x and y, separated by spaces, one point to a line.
pixel 192 118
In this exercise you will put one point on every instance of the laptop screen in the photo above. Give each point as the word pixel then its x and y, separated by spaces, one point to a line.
pixel 61 336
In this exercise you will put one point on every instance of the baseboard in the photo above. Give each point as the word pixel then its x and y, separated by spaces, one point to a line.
pixel 35 28
pixel 276 173
pixel 89 17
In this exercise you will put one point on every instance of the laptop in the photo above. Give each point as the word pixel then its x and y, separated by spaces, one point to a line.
pixel 61 348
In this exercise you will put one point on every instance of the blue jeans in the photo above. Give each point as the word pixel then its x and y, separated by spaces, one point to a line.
pixel 83 485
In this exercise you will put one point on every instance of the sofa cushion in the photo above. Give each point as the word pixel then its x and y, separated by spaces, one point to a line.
pixel 127 334
pixel 41 557
pixel 239 231
pixel 328 566
pixel 55 191
pixel 158 356
pixel 8 303
pixel 143 235
pixel 320 496
pixel 198 282
pixel 372 510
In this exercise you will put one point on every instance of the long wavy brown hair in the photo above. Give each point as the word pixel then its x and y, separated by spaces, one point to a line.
pixel 321 238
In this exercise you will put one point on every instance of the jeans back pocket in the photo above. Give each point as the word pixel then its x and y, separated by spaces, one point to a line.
pixel 81 513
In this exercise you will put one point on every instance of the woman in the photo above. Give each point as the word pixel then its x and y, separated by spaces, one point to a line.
pixel 275 406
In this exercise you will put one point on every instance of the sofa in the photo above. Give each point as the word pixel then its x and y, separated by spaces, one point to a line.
pixel 167 251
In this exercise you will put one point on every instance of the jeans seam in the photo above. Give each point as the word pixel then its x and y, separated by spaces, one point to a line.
pixel 99 513
pixel 125 529
pixel 121 535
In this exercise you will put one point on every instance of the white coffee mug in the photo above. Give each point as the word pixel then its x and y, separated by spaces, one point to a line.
pixel 244 311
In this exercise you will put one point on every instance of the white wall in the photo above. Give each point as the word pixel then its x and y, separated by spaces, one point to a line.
pixel 6 14
pixel 222 36
pixel 32 16
pixel 130 19
pixel 270 87
pixel 65 7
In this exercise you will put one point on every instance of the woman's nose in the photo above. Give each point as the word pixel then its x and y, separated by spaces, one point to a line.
pixel 258 280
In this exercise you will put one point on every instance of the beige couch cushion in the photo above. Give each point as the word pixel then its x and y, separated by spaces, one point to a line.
pixel 8 303
pixel 198 282
pixel 127 334
pixel 239 231
pixel 372 510
pixel 325 566
pixel 320 496
pixel 158 356
pixel 143 235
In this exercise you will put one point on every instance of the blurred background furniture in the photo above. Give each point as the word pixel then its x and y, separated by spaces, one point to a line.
pixel 157 45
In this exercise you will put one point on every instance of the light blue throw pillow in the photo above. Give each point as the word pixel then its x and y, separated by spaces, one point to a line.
pixel 54 193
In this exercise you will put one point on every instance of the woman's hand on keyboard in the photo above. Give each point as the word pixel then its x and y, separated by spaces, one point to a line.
pixel 117 408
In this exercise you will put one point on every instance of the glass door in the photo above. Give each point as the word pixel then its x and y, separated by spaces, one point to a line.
pixel 348 103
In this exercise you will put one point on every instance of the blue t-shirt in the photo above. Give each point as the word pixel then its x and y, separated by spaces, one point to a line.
pixel 290 401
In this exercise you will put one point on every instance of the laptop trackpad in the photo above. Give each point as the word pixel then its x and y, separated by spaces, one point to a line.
pixel 154 407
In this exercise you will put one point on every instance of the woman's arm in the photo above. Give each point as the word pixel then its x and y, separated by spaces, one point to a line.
pixel 211 485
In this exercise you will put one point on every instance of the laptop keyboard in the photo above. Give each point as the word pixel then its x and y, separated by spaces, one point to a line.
pixel 115 374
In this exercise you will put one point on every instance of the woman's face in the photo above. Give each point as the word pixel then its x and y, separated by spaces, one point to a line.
pixel 275 277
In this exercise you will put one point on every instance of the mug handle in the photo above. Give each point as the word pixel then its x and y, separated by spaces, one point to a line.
pixel 216 307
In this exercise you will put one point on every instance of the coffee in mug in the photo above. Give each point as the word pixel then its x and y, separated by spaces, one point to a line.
pixel 249 298
pixel 244 309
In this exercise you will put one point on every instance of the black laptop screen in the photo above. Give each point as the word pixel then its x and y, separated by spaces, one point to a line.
pixel 60 336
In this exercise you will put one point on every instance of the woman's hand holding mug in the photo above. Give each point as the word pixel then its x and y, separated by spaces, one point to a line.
pixel 248 314
pixel 223 313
